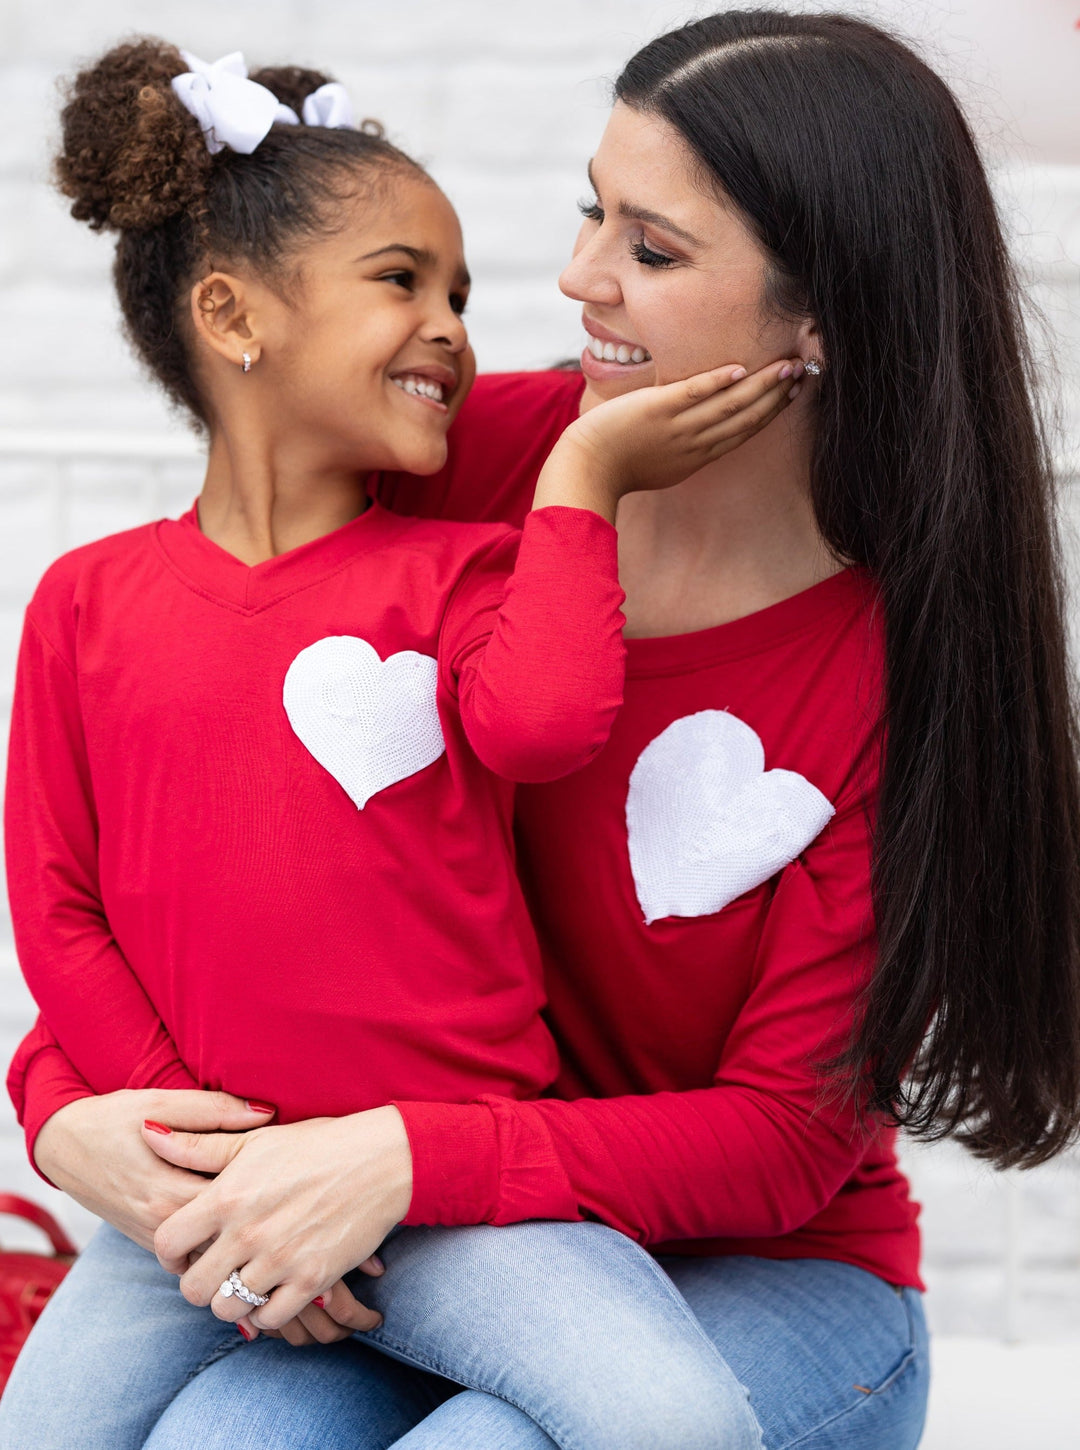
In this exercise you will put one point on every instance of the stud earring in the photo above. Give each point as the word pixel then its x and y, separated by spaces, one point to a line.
pixel 811 366
pixel 247 362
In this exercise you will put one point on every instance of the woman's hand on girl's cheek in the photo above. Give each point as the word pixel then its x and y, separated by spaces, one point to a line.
pixel 94 1150
pixel 293 1209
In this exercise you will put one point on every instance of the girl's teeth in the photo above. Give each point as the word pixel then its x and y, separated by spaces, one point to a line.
pixel 422 386
pixel 616 352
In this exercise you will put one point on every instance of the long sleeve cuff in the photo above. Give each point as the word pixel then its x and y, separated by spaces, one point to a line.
pixel 50 1084
pixel 455 1153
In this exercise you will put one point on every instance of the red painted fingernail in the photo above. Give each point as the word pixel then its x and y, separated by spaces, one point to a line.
pixel 155 1127
pixel 244 1332
pixel 319 1303
pixel 257 1107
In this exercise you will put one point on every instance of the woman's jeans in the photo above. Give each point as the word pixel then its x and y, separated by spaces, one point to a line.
pixel 565 1335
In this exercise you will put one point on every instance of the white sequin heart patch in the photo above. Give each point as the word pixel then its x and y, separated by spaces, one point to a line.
pixel 369 722
pixel 706 821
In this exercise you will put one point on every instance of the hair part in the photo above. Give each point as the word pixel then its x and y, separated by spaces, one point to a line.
pixel 853 165
pixel 134 161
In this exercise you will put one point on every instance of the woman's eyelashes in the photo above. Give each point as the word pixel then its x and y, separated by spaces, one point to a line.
pixel 647 257
pixel 592 211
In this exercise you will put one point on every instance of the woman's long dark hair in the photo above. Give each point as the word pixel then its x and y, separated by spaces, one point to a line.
pixel 854 166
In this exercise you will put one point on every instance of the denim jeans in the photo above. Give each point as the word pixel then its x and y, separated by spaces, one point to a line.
pixel 565 1335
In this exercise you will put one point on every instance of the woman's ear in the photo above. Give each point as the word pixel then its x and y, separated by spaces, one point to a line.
pixel 808 344
pixel 222 316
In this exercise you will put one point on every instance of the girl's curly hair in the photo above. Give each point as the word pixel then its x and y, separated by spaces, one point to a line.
pixel 134 161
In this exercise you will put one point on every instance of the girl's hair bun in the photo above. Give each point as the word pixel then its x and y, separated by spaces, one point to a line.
pixel 292 85
pixel 131 155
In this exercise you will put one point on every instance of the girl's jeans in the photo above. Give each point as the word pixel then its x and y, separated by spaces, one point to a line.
pixel 565 1335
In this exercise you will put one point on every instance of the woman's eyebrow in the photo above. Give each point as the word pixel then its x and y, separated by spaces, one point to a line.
pixel 642 214
pixel 422 256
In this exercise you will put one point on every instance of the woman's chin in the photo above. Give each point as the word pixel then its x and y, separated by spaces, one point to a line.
pixel 602 391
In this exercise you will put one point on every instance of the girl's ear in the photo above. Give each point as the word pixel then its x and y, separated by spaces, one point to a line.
pixel 221 314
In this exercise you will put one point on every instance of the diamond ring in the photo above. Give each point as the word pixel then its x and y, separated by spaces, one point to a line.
pixel 235 1285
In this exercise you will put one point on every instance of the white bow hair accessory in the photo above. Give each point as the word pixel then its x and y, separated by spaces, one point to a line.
pixel 237 112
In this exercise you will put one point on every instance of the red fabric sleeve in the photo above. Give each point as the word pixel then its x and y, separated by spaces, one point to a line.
pixel 758 1154
pixel 539 660
pixel 91 999
pixel 40 1082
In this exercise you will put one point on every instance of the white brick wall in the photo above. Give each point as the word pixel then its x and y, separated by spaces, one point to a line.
pixel 504 99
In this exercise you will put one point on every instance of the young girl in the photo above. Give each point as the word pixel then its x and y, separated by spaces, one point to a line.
pixel 258 813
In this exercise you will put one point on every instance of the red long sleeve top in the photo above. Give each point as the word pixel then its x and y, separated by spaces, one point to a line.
pixel 688 1112
pixel 198 900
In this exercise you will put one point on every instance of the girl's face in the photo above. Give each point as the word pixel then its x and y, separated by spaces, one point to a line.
pixel 671 278
pixel 367 360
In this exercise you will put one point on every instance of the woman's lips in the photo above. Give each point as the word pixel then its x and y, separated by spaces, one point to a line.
pixel 607 355
pixel 604 367
pixel 620 352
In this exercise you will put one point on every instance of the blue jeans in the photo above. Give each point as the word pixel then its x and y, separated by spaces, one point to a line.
pixel 565 1335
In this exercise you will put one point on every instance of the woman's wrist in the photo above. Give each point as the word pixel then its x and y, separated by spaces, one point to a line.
pixel 382 1143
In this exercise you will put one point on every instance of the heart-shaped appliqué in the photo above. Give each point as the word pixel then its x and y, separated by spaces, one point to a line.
pixel 706 821
pixel 369 722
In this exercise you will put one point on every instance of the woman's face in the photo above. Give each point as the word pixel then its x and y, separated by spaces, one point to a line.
pixel 671 279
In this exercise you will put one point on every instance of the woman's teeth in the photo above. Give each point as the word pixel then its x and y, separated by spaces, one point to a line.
pixel 410 383
pixel 618 352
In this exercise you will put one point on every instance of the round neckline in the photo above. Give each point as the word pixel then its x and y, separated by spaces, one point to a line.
pixel 849 589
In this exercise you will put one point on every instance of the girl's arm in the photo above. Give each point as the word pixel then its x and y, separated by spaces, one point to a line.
pixel 100 1014
pixel 538 662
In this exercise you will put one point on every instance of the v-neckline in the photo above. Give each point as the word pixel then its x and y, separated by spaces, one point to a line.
pixel 221 576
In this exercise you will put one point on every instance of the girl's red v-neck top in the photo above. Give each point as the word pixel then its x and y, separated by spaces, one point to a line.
pixel 689 1111
pixel 259 819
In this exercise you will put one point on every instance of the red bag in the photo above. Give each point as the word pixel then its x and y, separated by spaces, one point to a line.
pixel 27 1280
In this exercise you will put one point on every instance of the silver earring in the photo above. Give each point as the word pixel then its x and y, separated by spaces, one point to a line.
pixel 812 366
pixel 247 362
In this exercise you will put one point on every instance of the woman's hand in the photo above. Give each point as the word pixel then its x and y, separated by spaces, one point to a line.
pixel 94 1150
pixel 655 437
pixel 292 1209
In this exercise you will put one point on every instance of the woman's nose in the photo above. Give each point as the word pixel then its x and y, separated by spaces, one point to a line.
pixel 587 277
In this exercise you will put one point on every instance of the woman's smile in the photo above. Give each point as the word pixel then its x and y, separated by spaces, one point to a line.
pixel 607 355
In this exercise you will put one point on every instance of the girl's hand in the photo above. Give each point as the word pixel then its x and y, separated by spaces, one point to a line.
pixel 94 1150
pixel 655 437
pixel 292 1209
pixel 334 1316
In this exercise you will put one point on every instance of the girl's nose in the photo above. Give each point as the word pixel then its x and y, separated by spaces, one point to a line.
pixel 587 277
pixel 448 328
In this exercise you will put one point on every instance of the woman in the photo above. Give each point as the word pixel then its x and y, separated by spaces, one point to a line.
pixel 882 557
